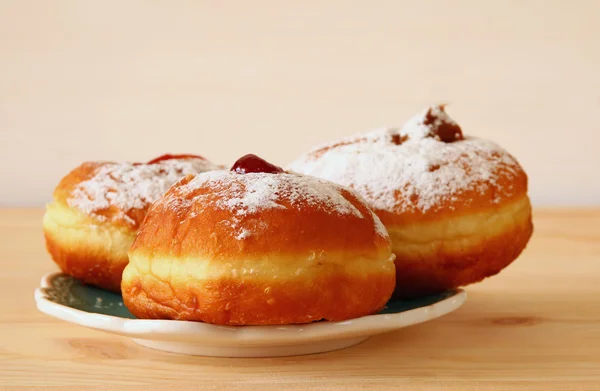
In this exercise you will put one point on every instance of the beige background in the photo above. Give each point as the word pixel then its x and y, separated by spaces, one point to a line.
pixel 128 80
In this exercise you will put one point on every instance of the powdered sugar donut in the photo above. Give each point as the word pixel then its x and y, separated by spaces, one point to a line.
pixel 257 246
pixel 456 207
pixel 97 209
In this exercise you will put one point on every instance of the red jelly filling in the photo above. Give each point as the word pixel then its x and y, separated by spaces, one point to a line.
pixel 251 163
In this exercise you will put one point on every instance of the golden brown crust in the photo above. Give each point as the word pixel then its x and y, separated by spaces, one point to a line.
pixel 234 301
pixel 495 240
pixel 299 262
pixel 510 184
pixel 446 271
pixel 99 268
pixel 91 244
pixel 206 232
pixel 92 251
pixel 113 215
pixel 88 257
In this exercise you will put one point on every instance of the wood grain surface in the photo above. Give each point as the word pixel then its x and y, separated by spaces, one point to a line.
pixel 536 326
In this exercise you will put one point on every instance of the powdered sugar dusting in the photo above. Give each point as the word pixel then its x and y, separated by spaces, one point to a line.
pixel 129 186
pixel 253 193
pixel 379 227
pixel 418 173
pixel 243 234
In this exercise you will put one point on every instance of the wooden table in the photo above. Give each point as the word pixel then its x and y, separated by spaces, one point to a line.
pixel 536 326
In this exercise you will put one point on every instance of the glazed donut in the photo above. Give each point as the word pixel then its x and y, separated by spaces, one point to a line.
pixel 456 207
pixel 97 209
pixel 258 246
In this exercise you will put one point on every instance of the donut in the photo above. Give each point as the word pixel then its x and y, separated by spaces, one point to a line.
pixel 97 209
pixel 258 246
pixel 456 207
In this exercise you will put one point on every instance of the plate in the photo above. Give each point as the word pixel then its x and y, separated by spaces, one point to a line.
pixel 64 297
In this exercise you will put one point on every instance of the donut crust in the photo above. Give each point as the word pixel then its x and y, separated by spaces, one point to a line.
pixel 457 210
pixel 91 247
pixel 89 250
pixel 280 298
pixel 436 255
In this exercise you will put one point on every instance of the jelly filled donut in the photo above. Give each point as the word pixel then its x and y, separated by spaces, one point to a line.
pixel 258 246
pixel 456 207
pixel 97 209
